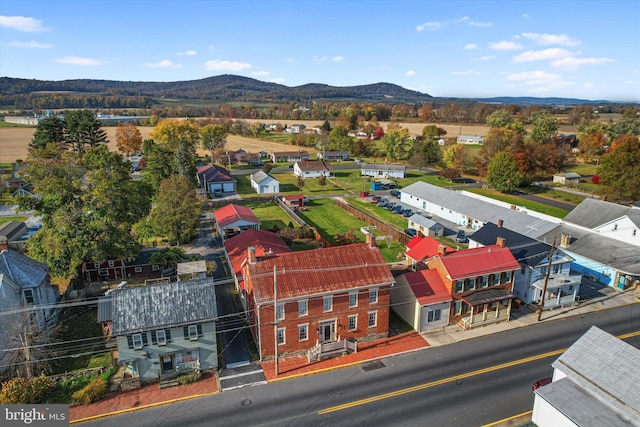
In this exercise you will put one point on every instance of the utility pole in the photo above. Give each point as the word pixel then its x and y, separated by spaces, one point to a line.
pixel 546 279
pixel 275 317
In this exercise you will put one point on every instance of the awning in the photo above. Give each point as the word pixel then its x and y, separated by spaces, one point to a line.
pixel 486 296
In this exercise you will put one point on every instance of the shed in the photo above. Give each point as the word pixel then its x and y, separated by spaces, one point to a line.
pixel 567 178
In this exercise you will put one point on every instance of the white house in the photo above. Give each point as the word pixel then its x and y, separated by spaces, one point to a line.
pixel 383 170
pixel 312 169
pixel 297 128
pixel 472 140
pixel 263 183
pixel 595 384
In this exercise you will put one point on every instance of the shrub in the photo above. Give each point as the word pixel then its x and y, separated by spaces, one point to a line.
pixel 92 392
pixel 189 378
pixel 22 390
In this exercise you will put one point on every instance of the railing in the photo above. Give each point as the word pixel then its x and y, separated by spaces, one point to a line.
pixel 180 368
pixel 335 347
pixel 484 319
pixel 559 302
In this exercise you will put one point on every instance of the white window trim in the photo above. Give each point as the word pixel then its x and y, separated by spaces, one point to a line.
pixel 373 292
pixel 138 269
pixel 96 265
pixel 111 263
pixel 193 332
pixel 280 311
pixel 282 331
pixel 306 308
pixel 306 326
pixel 351 294
pixel 355 323
pixel 324 306
pixel 137 341
pixel 375 313
pixel 161 336
pixel 155 267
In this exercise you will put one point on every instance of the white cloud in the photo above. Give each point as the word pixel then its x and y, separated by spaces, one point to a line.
pixel 187 53
pixel 485 58
pixel 539 78
pixel 542 55
pixel 481 24
pixel 320 58
pixel 410 73
pixel 218 65
pixel 545 39
pixel 259 73
pixel 76 60
pixel 470 46
pixel 428 26
pixel 163 64
pixel 505 45
pixel 337 58
pixel 22 23
pixel 31 45
pixel 572 63
pixel 466 73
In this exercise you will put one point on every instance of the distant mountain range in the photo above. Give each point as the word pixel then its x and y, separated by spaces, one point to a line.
pixel 231 88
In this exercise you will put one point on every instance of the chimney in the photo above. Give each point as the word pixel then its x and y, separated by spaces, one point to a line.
pixel 565 240
pixel 371 240
pixel 501 241
pixel 4 245
pixel 500 222
pixel 442 250
pixel 251 255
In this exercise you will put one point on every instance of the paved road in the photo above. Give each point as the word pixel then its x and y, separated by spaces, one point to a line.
pixel 464 384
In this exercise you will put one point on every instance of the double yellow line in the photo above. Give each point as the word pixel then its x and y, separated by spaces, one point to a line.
pixel 450 379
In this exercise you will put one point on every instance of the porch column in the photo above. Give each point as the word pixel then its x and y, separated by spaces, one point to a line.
pixel 509 310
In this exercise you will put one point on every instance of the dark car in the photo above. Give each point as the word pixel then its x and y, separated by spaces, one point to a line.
pixel 390 206
pixel 395 193
pixel 407 213
pixel 541 383
pixel 461 237
pixel 398 210
pixel 382 202
pixel 411 232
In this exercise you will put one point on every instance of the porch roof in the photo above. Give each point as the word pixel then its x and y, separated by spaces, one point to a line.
pixel 558 281
pixel 485 296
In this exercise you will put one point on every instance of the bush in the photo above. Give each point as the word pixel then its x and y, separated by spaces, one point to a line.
pixel 189 378
pixel 22 390
pixel 92 392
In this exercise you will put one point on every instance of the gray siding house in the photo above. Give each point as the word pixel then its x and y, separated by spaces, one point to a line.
pixel 165 330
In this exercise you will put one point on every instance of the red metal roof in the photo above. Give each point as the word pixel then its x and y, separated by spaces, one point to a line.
pixel 317 271
pixel 231 213
pixel 425 248
pixel 478 261
pixel 264 242
pixel 294 197
pixel 428 287
pixel 414 241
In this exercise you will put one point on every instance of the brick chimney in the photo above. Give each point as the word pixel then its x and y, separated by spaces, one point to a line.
pixel 565 240
pixel 442 250
pixel 500 222
pixel 4 245
pixel 501 241
pixel 251 255
pixel 371 240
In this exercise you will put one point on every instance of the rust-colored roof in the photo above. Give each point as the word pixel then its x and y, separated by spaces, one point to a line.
pixel 316 271
pixel 424 248
pixel 213 173
pixel 294 197
pixel 232 213
pixel 264 242
pixel 479 261
pixel 428 287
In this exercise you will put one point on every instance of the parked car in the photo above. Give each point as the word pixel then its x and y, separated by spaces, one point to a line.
pixel 375 199
pixel 395 193
pixel 541 383
pixel 357 160
pixel 217 192
pixel 390 206
pixel 382 202
pixel 411 232
pixel 461 237
pixel 407 213
pixel 398 210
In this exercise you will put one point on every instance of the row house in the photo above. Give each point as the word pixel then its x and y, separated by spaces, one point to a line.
pixel 318 300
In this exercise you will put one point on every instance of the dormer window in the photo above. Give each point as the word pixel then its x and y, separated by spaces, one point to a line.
pixel 193 332
pixel 28 296
pixel 137 341
pixel 162 337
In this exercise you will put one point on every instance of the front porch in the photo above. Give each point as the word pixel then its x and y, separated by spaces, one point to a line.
pixel 485 307
pixel 176 364
pixel 561 290
pixel 327 350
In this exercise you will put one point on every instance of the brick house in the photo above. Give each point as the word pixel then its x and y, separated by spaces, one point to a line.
pixel 324 296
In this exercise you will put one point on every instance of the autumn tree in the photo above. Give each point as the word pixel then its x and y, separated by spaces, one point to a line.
pixel 591 145
pixel 177 209
pixel 82 128
pixel 425 153
pixel 453 159
pixel 397 142
pixel 49 129
pixel 170 132
pixel 543 126
pixel 628 125
pixel 426 113
pixel 619 169
pixel 339 138
pixel 503 173
pixel 213 137
pixel 128 138
pixel 159 164
pixel 431 131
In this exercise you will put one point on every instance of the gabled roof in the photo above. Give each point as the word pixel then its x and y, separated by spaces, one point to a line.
pixel 484 211
pixel 428 287
pixel 525 250
pixel 591 213
pixel 232 213
pixel 425 248
pixel 313 165
pixel 261 176
pixel 569 175
pixel 22 270
pixel 318 271
pixel 12 230
pixel 142 308
pixel 213 173
pixel 425 222
pixel 384 167
pixel 479 261
pixel 601 383
pixel 293 197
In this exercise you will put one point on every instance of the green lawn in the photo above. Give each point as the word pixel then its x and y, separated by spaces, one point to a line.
pixel 270 215
pixel 12 218
pixel 378 212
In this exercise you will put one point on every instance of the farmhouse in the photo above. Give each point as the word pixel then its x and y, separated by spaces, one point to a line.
pixel 312 169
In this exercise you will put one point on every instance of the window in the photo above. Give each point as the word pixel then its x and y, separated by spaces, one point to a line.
pixel 111 263
pixel 193 332
pixel 635 231
pixel 373 296
pixel 457 308
pixel 459 285
pixel 280 312
pixel 327 303
pixel 353 322
pixel 138 269
pixel 373 319
pixel 280 336
pixel 96 265
pixel 433 316
pixel 303 308
pixel 137 341
pixel 303 332
pixel 353 299
pixel 615 227
pixel 155 267
pixel 28 296
pixel 162 337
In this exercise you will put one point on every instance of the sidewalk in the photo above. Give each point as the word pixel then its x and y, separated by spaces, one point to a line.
pixel 292 367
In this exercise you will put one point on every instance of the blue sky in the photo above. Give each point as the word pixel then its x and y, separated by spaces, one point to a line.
pixel 586 49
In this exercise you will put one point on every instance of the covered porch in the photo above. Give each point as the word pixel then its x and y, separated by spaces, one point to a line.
pixel 175 364
pixel 562 290
pixel 485 307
